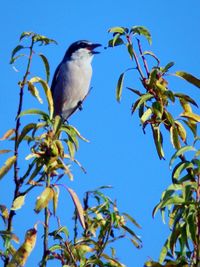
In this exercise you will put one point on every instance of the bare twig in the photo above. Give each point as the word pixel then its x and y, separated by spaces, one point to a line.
pixel 71 254
pixel 17 127
pixel 143 58
pixel 136 58
pixel 46 230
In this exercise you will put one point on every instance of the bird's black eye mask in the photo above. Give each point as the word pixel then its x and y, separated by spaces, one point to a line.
pixel 81 44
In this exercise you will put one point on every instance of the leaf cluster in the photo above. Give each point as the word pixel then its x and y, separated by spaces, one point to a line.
pixel 52 144
pixel 180 201
pixel 104 225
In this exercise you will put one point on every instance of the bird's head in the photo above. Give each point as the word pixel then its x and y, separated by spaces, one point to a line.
pixel 81 50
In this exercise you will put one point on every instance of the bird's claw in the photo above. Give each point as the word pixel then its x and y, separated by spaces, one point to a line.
pixel 80 106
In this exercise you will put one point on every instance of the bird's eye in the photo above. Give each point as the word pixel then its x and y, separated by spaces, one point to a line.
pixel 83 45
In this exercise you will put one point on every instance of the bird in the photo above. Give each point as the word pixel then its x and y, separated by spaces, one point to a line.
pixel 72 77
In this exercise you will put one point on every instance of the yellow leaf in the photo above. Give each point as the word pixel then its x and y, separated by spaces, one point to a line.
pixel 7 166
pixel 21 255
pixel 7 134
pixel 43 200
pixel 191 115
pixel 18 202
pixel 78 206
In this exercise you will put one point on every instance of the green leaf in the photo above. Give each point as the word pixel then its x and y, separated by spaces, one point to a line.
pixel 48 94
pixel 131 219
pixel 135 243
pixel 78 133
pixel 71 135
pixel 141 100
pixel 180 152
pixel 18 202
pixel 170 95
pixel 134 91
pixel 175 200
pixel 185 105
pixel 152 264
pixel 4 212
pixel 146 115
pixel 191 116
pixel 46 65
pixel 180 168
pixel 167 67
pixel 158 140
pixel 57 123
pixel 163 252
pixel 78 206
pixel 181 130
pixel 15 50
pixel 71 148
pixel 112 262
pixel 30 167
pixel 55 199
pixel 34 112
pixel 157 109
pixel 25 131
pixel 150 53
pixel 119 87
pixel 64 230
pixel 120 30
pixel 55 247
pixel 34 91
pixel 192 126
pixel 141 30
pixel 43 39
pixel 115 41
pixel 191 226
pixel 174 137
pixel 25 34
pixel 12 61
pixel 60 148
pixel 130 50
pixel 44 199
pixel 187 98
pixel 189 78
pixel 131 232
pixel 36 171
pixel 7 166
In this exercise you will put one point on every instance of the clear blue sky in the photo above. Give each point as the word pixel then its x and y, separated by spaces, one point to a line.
pixel 118 153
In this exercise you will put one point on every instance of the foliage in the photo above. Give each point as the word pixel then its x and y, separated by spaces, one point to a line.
pixel 52 144
pixel 181 200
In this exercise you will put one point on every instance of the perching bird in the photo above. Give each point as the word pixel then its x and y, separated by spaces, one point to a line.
pixel 71 81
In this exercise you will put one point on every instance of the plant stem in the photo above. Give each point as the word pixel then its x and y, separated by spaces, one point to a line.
pixel 71 254
pixel 46 230
pixel 197 248
pixel 143 58
pixel 136 59
pixel 16 147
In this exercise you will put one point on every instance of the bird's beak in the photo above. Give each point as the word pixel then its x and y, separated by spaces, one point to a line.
pixel 93 46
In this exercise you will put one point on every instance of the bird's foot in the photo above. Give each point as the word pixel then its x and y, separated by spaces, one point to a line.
pixel 79 105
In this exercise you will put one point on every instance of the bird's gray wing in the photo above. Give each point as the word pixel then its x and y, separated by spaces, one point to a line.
pixel 55 77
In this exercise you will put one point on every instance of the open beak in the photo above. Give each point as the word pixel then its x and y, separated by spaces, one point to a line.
pixel 93 46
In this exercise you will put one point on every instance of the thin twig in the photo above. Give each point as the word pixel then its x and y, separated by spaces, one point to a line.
pixel 143 58
pixel 136 58
pixel 105 240
pixel 75 226
pixel 197 246
pixel 46 230
pixel 71 254
pixel 16 147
